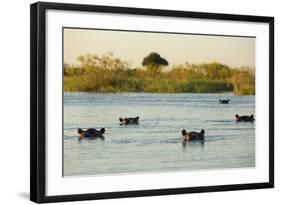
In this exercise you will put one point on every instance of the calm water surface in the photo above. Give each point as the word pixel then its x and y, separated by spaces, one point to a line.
pixel 156 143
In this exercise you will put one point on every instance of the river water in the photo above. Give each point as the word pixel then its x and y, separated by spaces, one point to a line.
pixel 155 144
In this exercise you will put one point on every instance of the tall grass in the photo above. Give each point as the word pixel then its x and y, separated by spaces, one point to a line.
pixel 109 74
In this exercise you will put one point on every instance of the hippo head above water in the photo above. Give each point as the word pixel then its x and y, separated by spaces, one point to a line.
pixel 245 118
pixel 183 132
pixel 127 121
pixel 80 131
pixel 193 135
pixel 102 130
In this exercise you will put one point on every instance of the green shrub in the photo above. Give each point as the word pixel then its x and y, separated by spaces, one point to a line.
pixel 110 74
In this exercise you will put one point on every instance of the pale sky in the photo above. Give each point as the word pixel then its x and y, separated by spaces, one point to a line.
pixel 175 48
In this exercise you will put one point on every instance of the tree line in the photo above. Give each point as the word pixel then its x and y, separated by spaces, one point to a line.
pixel 106 73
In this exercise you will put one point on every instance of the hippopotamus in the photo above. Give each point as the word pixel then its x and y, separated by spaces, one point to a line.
pixel 129 121
pixel 244 118
pixel 91 133
pixel 188 136
pixel 224 101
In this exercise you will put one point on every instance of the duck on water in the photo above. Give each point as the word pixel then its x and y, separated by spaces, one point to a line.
pixel 91 133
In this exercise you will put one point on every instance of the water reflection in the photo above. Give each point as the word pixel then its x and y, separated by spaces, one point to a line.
pixel 186 143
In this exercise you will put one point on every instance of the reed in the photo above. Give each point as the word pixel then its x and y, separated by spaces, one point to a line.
pixel 109 74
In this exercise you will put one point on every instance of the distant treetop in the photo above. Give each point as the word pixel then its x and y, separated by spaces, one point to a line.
pixel 154 59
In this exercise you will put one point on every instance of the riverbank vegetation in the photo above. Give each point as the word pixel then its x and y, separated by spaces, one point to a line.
pixel 107 73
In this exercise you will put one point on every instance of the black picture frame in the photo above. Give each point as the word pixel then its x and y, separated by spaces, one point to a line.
pixel 38 101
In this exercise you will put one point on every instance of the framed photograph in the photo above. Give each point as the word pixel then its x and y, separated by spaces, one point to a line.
pixel 129 102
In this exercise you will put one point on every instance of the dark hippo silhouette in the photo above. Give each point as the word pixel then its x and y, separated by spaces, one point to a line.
pixel 188 136
pixel 244 118
pixel 129 121
pixel 91 133
pixel 224 101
